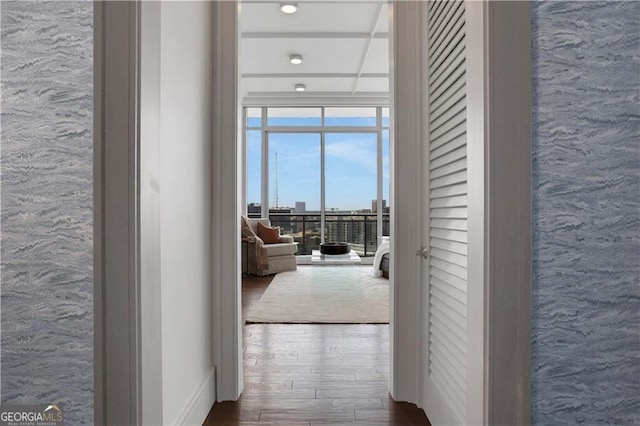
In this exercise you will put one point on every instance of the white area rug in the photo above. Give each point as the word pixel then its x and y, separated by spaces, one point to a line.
pixel 324 294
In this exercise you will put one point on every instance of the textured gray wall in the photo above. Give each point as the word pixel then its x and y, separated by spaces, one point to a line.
pixel 46 167
pixel 586 213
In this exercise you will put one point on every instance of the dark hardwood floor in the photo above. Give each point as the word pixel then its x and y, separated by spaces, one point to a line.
pixel 313 374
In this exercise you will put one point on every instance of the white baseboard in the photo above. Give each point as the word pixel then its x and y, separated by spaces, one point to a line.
pixel 198 406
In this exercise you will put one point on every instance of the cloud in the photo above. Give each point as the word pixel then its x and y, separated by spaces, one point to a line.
pixel 362 152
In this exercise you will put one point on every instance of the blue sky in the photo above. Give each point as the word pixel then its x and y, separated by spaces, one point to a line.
pixel 350 168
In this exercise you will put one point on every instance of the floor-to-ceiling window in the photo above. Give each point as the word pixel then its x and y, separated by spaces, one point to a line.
pixel 321 174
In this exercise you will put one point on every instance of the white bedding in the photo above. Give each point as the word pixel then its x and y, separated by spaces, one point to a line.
pixel 383 249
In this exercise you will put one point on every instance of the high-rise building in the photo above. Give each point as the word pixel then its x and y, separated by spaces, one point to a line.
pixel 374 206
pixel 281 216
pixel 254 209
pixel 301 206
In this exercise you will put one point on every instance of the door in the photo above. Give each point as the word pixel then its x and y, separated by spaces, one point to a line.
pixel 449 387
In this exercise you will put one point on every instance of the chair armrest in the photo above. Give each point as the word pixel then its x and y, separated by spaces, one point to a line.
pixel 286 239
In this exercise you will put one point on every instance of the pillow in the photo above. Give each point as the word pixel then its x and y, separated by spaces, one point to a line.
pixel 268 234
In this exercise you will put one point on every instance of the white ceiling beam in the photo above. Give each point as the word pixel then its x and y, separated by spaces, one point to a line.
pixel 318 35
pixel 287 99
pixel 369 43
pixel 314 75
pixel 322 1
pixel 325 94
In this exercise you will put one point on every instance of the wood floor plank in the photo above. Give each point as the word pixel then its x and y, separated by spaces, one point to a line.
pixel 254 370
pixel 281 393
pixel 338 369
pixel 258 423
pixel 278 415
pixel 400 416
pixel 375 376
pixel 354 386
pixel 312 404
pixel 229 411
pixel 326 361
pixel 316 377
pixel 366 423
pixel 349 393
pixel 268 386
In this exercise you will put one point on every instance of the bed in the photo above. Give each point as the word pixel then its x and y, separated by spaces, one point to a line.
pixel 381 259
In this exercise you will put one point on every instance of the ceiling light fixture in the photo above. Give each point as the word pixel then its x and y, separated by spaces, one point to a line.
pixel 289 8
pixel 295 59
pixel 300 87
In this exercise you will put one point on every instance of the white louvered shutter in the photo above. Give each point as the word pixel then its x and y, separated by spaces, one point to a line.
pixel 447 141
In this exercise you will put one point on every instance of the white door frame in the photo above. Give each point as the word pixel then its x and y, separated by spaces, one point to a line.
pixel 127 338
pixel 120 395
pixel 507 209
pixel 406 135
pixel 226 209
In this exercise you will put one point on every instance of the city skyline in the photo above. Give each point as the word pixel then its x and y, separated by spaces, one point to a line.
pixel 253 208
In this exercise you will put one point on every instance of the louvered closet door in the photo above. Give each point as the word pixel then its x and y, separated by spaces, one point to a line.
pixel 447 183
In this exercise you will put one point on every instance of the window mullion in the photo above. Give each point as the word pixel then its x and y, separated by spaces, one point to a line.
pixel 322 186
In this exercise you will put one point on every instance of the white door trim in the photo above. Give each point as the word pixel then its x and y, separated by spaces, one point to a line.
pixel 477 328
pixel 128 346
pixel 117 349
pixel 507 266
pixel 150 312
pixel 227 291
pixel 406 201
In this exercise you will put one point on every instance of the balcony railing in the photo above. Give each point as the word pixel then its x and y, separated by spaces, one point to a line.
pixel 360 230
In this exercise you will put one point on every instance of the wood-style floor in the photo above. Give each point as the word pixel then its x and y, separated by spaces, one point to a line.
pixel 311 375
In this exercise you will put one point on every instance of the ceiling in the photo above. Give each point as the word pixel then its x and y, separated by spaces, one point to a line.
pixel 344 46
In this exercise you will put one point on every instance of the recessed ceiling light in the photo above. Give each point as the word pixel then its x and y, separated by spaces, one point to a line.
pixel 295 59
pixel 300 87
pixel 289 8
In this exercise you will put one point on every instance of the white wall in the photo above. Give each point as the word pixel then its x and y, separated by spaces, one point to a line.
pixel 185 187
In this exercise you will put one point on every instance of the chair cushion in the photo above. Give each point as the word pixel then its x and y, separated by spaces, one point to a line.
pixel 286 239
pixel 254 223
pixel 282 249
pixel 268 234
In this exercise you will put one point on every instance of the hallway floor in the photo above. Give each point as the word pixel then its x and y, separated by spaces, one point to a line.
pixel 313 374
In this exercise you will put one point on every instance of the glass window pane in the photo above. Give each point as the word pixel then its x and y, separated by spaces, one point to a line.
pixel 350 117
pixel 294 181
pixel 351 190
pixel 385 117
pixel 386 182
pixel 254 117
pixel 294 117
pixel 254 170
